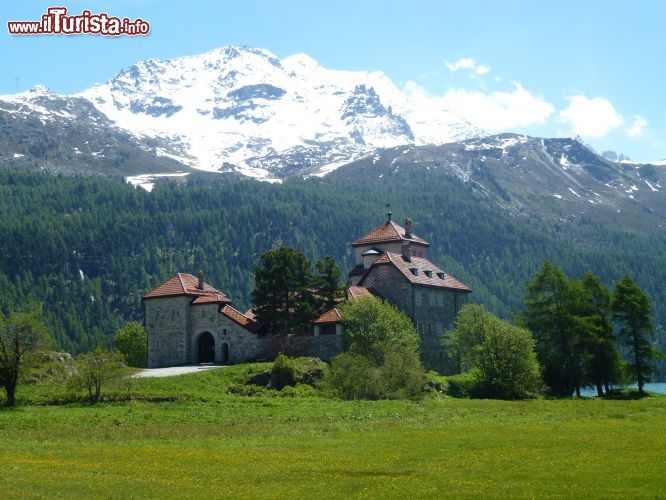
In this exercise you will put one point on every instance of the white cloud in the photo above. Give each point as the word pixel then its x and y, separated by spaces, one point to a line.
pixel 467 63
pixel 594 117
pixel 637 127
pixel 500 110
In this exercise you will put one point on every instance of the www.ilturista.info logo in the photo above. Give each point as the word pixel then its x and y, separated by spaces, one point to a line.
pixel 57 22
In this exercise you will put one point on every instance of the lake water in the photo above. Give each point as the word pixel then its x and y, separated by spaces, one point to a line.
pixel 654 387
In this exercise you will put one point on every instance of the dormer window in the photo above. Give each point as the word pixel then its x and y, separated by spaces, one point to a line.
pixel 428 274
pixel 414 271
pixel 441 276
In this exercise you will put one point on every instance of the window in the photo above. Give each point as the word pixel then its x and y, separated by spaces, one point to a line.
pixel 428 274
pixel 414 271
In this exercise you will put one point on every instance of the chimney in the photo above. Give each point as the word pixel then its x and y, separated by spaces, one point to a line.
pixel 406 251
pixel 200 286
pixel 408 228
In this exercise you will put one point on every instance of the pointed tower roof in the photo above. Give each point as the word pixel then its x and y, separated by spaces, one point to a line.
pixel 188 285
pixel 387 232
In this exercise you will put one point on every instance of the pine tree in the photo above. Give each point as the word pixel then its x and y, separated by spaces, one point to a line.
pixel 632 312
pixel 283 298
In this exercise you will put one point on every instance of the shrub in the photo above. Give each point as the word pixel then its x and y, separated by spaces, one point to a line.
pixel 283 372
pixel 462 385
pixel 132 342
pixel 93 369
pixel 401 375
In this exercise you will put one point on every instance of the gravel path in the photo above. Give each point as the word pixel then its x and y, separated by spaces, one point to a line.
pixel 174 370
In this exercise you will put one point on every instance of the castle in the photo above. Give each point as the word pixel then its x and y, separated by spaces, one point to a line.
pixel 188 321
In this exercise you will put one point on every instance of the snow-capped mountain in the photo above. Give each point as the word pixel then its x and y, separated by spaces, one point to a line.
pixel 239 108
pixel 39 129
pixel 560 179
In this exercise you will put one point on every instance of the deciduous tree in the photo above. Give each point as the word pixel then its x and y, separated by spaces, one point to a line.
pixel 381 358
pixel 21 335
pixel 373 326
pixel 132 342
pixel 93 369
pixel 501 356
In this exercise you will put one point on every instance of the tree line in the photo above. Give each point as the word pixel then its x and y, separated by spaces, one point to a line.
pixel 571 333
pixel 88 248
pixel 566 337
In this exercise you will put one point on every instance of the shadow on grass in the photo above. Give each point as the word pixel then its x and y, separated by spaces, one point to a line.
pixel 626 394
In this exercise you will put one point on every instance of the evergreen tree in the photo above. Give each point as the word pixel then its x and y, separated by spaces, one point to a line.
pixel 283 298
pixel 604 363
pixel 548 315
pixel 632 312
pixel 327 284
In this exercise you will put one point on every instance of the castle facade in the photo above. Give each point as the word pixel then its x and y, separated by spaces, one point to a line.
pixel 188 321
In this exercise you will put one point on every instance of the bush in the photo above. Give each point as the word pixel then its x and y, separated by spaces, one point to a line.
pixel 435 383
pixel 132 342
pixel 401 375
pixel 462 385
pixel 352 376
pixel 283 372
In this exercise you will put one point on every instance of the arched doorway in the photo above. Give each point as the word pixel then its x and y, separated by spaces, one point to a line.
pixel 206 348
pixel 225 353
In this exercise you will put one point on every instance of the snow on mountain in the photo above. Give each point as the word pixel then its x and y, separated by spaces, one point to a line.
pixel 68 135
pixel 243 109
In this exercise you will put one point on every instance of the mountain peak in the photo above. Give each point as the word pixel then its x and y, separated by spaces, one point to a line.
pixel 39 89
pixel 240 108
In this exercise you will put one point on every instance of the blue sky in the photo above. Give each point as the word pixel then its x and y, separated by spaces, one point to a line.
pixel 589 67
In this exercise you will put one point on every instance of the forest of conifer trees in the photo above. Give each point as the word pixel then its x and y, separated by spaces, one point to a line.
pixel 88 248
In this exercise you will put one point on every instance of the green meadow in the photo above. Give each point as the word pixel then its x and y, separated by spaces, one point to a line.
pixel 192 436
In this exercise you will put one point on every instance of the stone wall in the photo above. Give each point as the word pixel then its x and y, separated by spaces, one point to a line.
pixel 174 328
pixel 241 344
pixel 166 322
pixel 434 312
pixel 390 283
pixel 432 309
pixel 321 346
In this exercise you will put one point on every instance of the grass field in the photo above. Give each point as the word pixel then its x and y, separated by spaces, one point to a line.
pixel 214 444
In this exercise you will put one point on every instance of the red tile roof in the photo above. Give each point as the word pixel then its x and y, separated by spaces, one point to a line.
pixel 427 273
pixel 215 298
pixel 238 317
pixel 389 231
pixel 355 292
pixel 186 284
pixel 334 315
pixel 330 316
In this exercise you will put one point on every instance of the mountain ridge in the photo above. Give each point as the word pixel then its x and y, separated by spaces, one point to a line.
pixel 242 109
